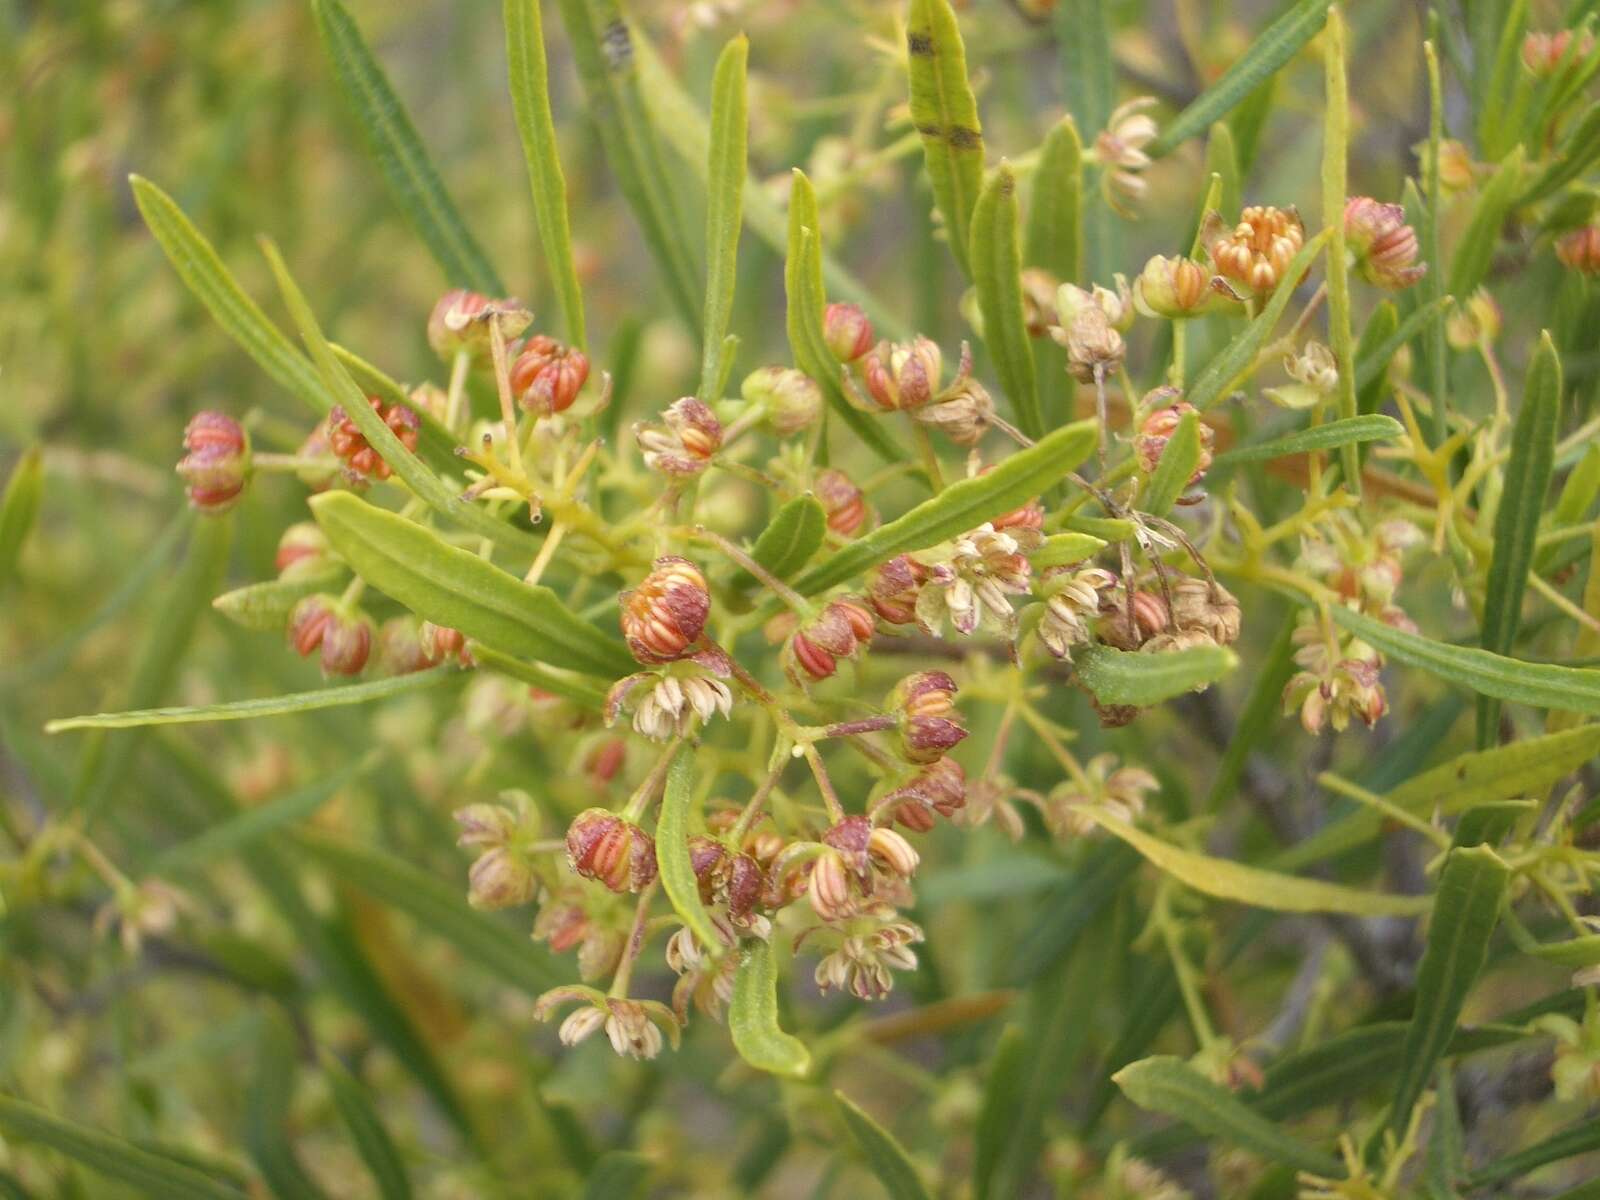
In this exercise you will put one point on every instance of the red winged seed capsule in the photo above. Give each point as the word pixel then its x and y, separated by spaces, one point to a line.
pixel 664 616
pixel 617 853
pixel 217 462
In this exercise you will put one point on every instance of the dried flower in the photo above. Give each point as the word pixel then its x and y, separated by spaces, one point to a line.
pixel 633 1027
pixel 792 400
pixel 1072 601
pixel 344 635
pixel 863 959
pixel 892 589
pixel 1119 792
pixel 969 580
pixel 1542 53
pixel 217 463
pixel 1315 373
pixel 617 853
pixel 460 322
pixel 547 376
pixel 686 440
pixel 1258 250
pixel 1385 247
pixel 666 706
pixel 842 500
pixel 1473 322
pixel 1120 149
pixel 1176 288
pixel 148 908
pixel 663 618
pixel 1337 681
pixel 813 651
pixel 1206 606
pixel 847 331
pixel 903 375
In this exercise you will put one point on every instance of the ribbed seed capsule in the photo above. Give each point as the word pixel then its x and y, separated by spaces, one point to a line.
pixel 604 847
pixel 665 615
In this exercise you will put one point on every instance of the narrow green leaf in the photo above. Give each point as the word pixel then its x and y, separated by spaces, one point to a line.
pixel 1258 717
pixel 233 834
pixel 1434 347
pixel 438 907
pixel 105 759
pixel 1129 677
pixel 530 101
pixel 617 1175
pixel 1516 522
pixel 265 607
pixel 1218 377
pixel 945 113
pixel 266 1120
pixel 960 507
pixel 557 683
pixel 1083 36
pixel 393 142
pixel 996 261
pixel 602 48
pixel 1372 428
pixel 1582 1138
pixel 1579 151
pixel 672 853
pixel 1496 74
pixel 1178 461
pixel 1579 491
pixel 407 466
pixel 1278 43
pixel 1222 165
pixel 1542 685
pixel 1228 880
pixel 1069 911
pixel 152 1173
pixel 1001 1112
pixel 19 508
pixel 1171 1086
pixel 365 1126
pixel 1576 953
pixel 436 445
pixel 1064 549
pixel 269 706
pixel 1335 153
pixel 685 129
pixel 806 302
pixel 1478 777
pixel 1249 119
pixel 887 1158
pixel 753 1016
pixel 1486 824
pixel 457 589
pixel 1372 361
pixel 1055 216
pixel 1473 255
pixel 1466 910
pixel 788 542
pixel 725 174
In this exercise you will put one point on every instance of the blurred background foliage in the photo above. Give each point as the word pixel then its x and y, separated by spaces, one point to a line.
pixel 230 105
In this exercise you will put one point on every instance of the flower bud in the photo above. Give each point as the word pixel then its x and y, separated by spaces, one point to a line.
pixel 1580 250
pixel 1315 373
pixel 746 883
pixel 792 399
pixel 828 888
pixel 842 500
pixel 344 637
pixel 892 854
pixel 1156 430
pixel 903 375
pixel 939 788
pixel 710 861
pixel 847 330
pixel 1385 247
pixel 837 632
pixel 892 590
pixel 500 878
pixel 484 825
pixel 692 435
pixel 1473 323
pixel 442 643
pixel 930 726
pixel 347 441
pixel 1542 52
pixel 460 321
pixel 217 463
pixel 1176 288
pixel 400 647
pixel 1120 149
pixel 603 761
pixel 302 550
pixel 665 615
pixel 604 847
pixel 547 376
pixel 1260 247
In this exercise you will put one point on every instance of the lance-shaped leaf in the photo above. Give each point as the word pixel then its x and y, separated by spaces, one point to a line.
pixel 1064 549
pixel 407 466
pixel 1055 215
pixel 1258 717
pixel 436 445
pixel 725 175
pixel 1228 880
pixel 265 606
pixel 365 1127
pixel 1372 428
pixel 961 507
pixel 1335 153
pixel 1238 357
pixel 457 589
pixel 789 541
pixel 1222 165
pixel 1471 887
pixel 805 304
pixel 1179 458
pixel 266 1119
pixel 113 1157
pixel 602 47
pixel 672 852
pixel 1278 43
pixel 945 113
pixel 1002 1113
pixel 438 907
pixel 1387 336
pixel 753 1016
pixel 997 274
pixel 1476 249
pixel 1523 768
pixel 1578 153
pixel 1582 1138
pixel 394 144
pixel 548 679
pixel 1542 685
pixel 530 101
pixel 1171 1086
pixel 1129 677
pixel 885 1156
pixel 19 508
pixel 1516 521
pixel 267 706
